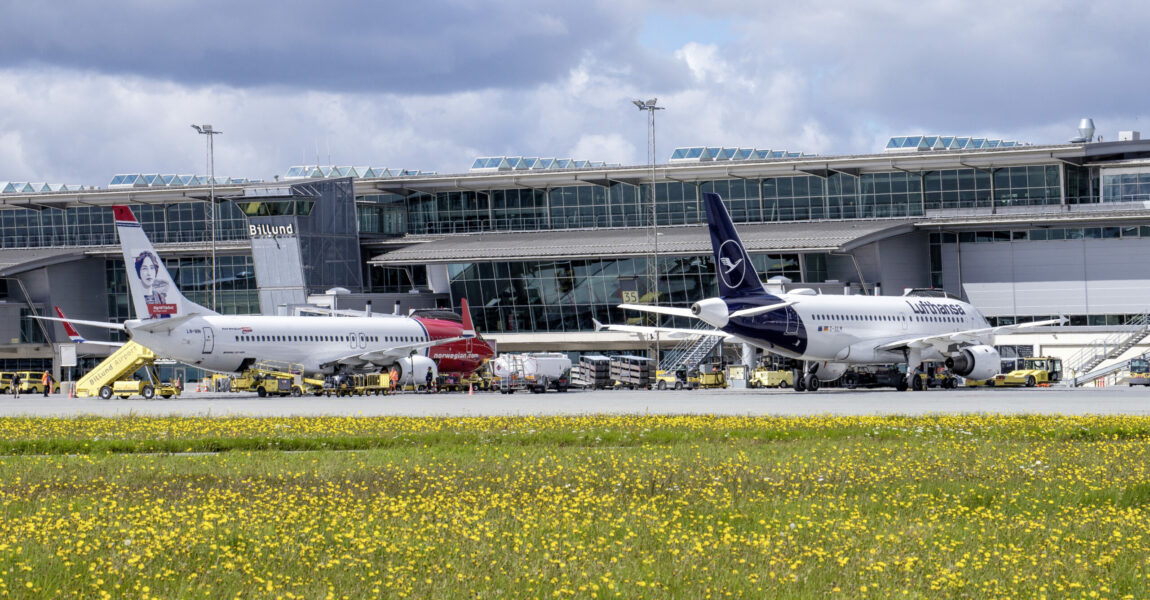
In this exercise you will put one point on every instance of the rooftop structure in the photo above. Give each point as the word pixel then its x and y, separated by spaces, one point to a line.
pixel 715 153
pixel 486 164
pixel 362 172
pixel 920 143
pixel 151 180
pixel 25 187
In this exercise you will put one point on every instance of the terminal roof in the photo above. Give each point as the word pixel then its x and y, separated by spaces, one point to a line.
pixel 673 241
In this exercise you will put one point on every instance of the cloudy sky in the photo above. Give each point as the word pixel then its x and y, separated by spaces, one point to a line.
pixel 91 89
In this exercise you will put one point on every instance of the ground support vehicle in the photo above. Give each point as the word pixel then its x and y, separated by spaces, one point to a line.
pixel 712 376
pixel 356 384
pixel 1139 372
pixel 632 372
pixel 874 376
pixel 477 381
pixel 31 382
pixel 1033 371
pixel 120 365
pixel 676 380
pixel 460 382
pixel 536 372
pixel 264 383
pixel 274 378
pixel 933 375
pixel 126 388
pixel 768 378
pixel 712 380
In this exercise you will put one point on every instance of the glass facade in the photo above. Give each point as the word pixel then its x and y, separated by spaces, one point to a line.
pixel 94 226
pixel 565 295
pixel 793 198
pixel 1126 185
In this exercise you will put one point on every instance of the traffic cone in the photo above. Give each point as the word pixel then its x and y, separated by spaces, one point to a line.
pixel 71 390
pixel 471 389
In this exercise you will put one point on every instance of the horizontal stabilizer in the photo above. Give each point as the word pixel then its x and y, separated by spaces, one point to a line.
pixel 663 310
pixel 101 324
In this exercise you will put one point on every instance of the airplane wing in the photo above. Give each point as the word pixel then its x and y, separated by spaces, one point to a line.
pixel 969 336
pixel 671 332
pixel 391 353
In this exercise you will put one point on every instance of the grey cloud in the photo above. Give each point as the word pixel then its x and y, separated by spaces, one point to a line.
pixel 343 45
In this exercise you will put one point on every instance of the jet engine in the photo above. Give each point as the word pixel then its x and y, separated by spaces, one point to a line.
pixel 975 362
pixel 712 311
pixel 413 370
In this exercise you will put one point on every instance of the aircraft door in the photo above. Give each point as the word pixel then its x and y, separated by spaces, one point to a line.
pixel 362 340
pixel 209 340
pixel 351 340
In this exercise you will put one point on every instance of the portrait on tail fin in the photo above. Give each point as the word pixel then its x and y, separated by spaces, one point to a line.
pixel 155 287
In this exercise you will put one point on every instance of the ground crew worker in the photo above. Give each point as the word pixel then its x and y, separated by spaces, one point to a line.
pixel 394 378
pixel 430 377
pixel 46 380
pixel 16 385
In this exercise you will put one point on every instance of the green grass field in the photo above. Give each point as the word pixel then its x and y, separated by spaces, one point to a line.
pixel 586 507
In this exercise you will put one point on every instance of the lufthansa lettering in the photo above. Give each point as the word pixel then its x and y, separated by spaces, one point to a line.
pixel 264 230
pixel 926 307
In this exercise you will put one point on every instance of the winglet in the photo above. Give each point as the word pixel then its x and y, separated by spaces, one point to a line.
pixel 71 331
pixel 598 326
pixel 468 326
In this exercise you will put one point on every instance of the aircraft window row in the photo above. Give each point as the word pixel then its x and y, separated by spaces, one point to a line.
pixel 889 318
pixel 892 318
pixel 939 319
pixel 324 338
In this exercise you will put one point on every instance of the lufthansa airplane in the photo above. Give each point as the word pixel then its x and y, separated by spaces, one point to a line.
pixel 831 332
pixel 174 327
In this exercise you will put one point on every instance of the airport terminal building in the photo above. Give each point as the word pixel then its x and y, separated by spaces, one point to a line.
pixel 543 247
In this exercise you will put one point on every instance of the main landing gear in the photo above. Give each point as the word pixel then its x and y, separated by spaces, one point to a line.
pixel 807 381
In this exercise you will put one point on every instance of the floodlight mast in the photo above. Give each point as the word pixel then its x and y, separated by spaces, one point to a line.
pixel 211 133
pixel 650 107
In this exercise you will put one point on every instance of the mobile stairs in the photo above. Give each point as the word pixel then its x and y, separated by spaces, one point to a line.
pixel 690 352
pixel 120 365
pixel 1087 360
pixel 1105 371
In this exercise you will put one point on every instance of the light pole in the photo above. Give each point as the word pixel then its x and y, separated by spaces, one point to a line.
pixel 211 133
pixel 649 106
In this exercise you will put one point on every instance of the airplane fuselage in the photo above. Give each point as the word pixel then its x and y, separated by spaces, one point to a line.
pixel 847 328
pixel 229 343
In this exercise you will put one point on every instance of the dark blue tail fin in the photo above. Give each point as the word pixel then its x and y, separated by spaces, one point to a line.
pixel 737 276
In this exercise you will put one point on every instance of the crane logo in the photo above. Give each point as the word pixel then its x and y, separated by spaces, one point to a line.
pixel 732 263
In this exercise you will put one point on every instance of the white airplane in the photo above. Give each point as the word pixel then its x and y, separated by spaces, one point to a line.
pixel 830 333
pixel 177 328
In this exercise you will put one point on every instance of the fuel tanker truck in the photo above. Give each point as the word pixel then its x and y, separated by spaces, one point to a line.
pixel 536 371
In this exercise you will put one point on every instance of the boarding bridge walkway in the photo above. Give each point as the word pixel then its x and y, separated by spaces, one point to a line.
pixel 121 364
pixel 1110 347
